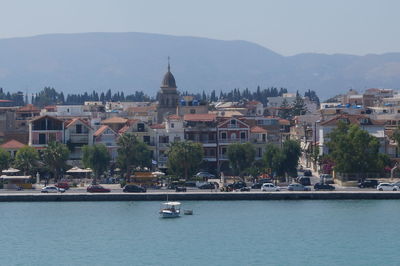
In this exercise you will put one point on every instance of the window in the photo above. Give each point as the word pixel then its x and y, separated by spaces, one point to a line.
pixel 192 111
pixel 78 129
pixel 177 138
pixel 172 125
pixel 264 137
pixel 42 138
pixel 242 135
pixel 140 127
pixel 223 135
pixel 146 139
pixel 233 136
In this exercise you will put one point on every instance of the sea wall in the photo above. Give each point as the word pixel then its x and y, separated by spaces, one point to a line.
pixel 345 195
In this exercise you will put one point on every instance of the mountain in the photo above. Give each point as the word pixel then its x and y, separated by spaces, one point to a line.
pixel 138 61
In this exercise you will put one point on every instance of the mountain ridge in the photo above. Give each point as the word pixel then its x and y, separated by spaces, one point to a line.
pixel 76 62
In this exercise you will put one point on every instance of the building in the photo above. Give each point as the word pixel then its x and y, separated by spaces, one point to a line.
pixel 108 137
pixel 202 128
pixel 45 129
pixel 78 133
pixel 230 131
pixel 167 97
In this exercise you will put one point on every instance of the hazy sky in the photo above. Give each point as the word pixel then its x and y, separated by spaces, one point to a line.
pixel 285 26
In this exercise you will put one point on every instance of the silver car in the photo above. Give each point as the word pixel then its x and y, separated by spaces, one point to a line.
pixel 52 189
pixel 297 187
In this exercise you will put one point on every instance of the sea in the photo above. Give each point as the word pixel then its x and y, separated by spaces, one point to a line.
pixel 326 232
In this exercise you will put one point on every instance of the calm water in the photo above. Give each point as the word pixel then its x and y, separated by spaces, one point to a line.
pixel 219 233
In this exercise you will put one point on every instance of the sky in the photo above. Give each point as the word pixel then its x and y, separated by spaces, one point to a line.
pixel 287 27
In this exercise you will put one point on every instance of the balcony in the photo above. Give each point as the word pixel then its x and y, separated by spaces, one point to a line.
pixel 232 140
pixel 79 138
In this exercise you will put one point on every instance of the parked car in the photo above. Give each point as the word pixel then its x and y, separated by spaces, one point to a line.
pixel 270 187
pixel 175 184
pixel 245 189
pixel 307 173
pixel 180 189
pixel 190 184
pixel 237 185
pixel 257 185
pixel 387 187
pixel 63 185
pixel 304 180
pixel 52 189
pixel 205 175
pixel 297 187
pixel 207 186
pixel 326 179
pixel 322 186
pixel 369 183
pixel 134 188
pixel 97 189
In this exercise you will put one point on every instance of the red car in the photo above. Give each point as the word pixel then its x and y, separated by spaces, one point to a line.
pixel 97 189
pixel 63 185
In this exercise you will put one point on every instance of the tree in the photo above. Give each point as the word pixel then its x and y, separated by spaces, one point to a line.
pixel 241 157
pixel 132 153
pixel 285 110
pixel 5 159
pixel 396 138
pixel 55 157
pixel 184 158
pixel 26 159
pixel 354 150
pixel 283 160
pixel 292 152
pixel 299 107
pixel 274 159
pixel 97 158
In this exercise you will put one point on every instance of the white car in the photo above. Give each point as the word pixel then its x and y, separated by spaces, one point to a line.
pixel 270 187
pixel 387 187
pixel 52 189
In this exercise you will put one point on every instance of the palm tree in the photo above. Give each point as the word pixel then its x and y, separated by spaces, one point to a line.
pixel 97 158
pixel 26 159
pixel 132 153
pixel 55 157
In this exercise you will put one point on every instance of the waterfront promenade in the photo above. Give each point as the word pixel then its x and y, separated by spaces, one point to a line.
pixel 25 196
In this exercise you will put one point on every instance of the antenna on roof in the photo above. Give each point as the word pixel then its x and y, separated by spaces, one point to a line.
pixel 168 65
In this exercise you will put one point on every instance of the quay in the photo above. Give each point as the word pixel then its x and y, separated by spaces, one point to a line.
pixel 203 196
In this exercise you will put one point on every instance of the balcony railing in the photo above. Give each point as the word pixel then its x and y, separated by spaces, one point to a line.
pixel 79 138
pixel 232 140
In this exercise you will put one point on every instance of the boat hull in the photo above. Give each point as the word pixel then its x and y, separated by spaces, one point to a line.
pixel 169 214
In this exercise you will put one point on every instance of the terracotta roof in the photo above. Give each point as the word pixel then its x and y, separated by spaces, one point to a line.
pixel 157 126
pixel 200 117
pixel 28 108
pixel 71 122
pixel 174 117
pixel 124 129
pixel 12 144
pixel 284 122
pixel 101 130
pixel 44 116
pixel 5 101
pixel 115 120
pixel 352 119
pixel 142 109
pixel 253 102
pixel 258 129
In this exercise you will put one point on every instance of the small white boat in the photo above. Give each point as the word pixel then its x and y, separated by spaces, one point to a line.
pixel 170 209
pixel 188 212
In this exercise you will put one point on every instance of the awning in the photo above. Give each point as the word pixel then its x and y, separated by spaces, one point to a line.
pixel 79 170
pixel 10 170
pixel 20 177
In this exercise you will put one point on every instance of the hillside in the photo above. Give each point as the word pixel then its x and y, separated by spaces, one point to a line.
pixel 137 61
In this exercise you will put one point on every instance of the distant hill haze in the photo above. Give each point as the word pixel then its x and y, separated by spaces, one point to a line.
pixel 137 61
